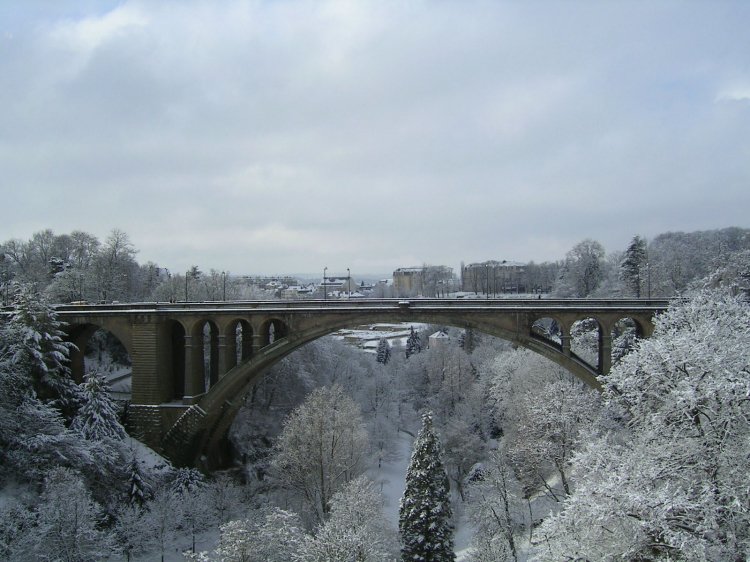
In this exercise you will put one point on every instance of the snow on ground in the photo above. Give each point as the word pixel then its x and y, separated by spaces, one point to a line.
pixel 368 337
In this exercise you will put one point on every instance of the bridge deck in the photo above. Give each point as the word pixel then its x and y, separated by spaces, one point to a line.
pixel 367 304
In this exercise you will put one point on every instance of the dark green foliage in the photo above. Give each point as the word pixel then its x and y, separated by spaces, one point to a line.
pixel 384 351
pixel 186 480
pixel 97 417
pixel 33 342
pixel 138 490
pixel 634 265
pixel 413 343
pixel 467 340
pixel 425 512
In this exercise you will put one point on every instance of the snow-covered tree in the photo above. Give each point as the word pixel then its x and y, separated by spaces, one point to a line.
pixel 97 416
pixel 131 533
pixel 33 436
pixel 356 530
pixel 467 340
pixel 67 521
pixel 189 488
pixel 195 514
pixel 379 398
pixel 224 498
pixel 463 449
pixel 451 380
pixel 582 271
pixel 186 480
pixel 16 526
pixel 272 535
pixel 496 511
pixel 413 343
pixel 383 353
pixel 163 518
pixel 320 449
pixel 33 433
pixel 672 483
pixel 139 490
pixel 115 267
pixel 734 276
pixel 549 424
pixel 34 343
pixel 425 511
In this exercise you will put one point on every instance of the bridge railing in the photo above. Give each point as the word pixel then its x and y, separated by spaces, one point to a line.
pixel 360 304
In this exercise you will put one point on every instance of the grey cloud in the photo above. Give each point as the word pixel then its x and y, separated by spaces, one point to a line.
pixel 289 133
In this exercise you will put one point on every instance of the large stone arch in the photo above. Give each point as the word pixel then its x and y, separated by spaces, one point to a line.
pixel 201 357
pixel 198 437
pixel 272 329
pixel 175 363
pixel 238 340
pixel 187 427
pixel 79 333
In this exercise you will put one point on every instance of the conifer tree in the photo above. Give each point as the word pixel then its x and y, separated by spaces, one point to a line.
pixel 425 510
pixel 633 264
pixel 384 351
pixel 186 480
pixel 36 347
pixel 467 340
pixel 97 417
pixel 413 343
pixel 138 489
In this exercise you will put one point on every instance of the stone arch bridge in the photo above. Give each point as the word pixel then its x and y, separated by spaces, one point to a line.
pixel 193 363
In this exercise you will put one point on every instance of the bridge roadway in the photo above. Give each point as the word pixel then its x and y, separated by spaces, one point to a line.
pixel 193 362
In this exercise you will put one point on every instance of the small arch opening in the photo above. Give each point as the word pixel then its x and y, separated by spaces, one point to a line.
pixel 548 330
pixel 586 341
pixel 105 355
pixel 210 336
pixel 273 330
pixel 243 341
pixel 177 362
pixel 625 333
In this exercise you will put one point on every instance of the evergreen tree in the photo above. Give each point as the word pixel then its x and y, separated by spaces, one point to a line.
pixel 384 351
pixel 36 347
pixel 138 489
pixel 186 480
pixel 633 264
pixel 467 340
pixel 413 343
pixel 97 418
pixel 425 510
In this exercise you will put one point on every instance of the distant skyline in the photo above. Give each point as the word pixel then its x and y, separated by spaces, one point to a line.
pixel 277 137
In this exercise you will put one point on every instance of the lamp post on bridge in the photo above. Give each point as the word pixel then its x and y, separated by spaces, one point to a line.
pixel 325 290
pixel 169 279
pixel 224 280
pixel 348 283
pixel 487 278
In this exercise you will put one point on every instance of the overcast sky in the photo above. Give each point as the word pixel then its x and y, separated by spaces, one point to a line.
pixel 285 136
